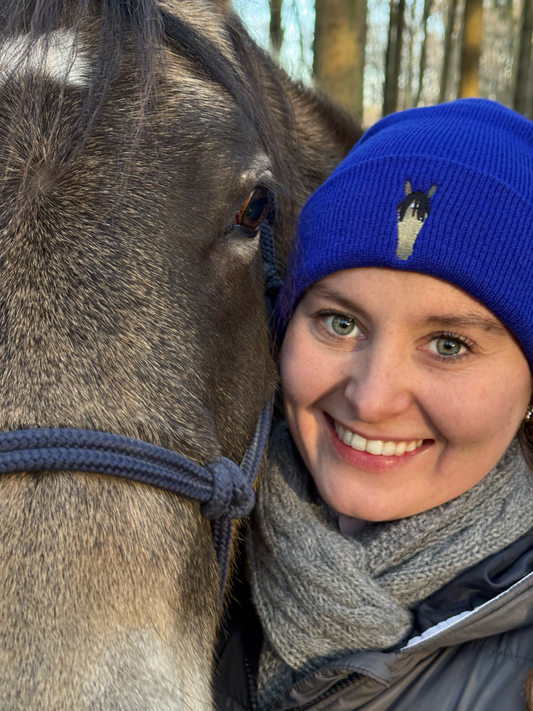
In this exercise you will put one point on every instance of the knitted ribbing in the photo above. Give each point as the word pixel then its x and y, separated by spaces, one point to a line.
pixel 471 161
pixel 321 595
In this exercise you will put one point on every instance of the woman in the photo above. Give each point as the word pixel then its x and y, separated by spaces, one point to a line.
pixel 390 554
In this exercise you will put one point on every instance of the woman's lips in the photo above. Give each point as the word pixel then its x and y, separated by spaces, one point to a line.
pixel 375 446
pixel 378 461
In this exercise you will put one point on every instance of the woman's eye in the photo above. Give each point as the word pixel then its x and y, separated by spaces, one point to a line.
pixel 254 211
pixel 446 346
pixel 341 325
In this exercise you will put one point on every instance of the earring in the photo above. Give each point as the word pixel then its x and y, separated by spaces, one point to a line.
pixel 529 414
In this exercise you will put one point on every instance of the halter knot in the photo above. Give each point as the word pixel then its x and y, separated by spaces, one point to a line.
pixel 233 495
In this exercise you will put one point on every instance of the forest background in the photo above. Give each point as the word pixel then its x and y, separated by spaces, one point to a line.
pixel 375 57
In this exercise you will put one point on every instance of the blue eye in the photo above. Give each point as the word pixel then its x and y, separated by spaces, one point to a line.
pixel 447 346
pixel 342 325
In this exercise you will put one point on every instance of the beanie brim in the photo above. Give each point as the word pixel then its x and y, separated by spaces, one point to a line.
pixel 482 245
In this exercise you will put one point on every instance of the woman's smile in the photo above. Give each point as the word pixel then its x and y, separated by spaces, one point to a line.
pixel 404 376
pixel 385 447
pixel 373 455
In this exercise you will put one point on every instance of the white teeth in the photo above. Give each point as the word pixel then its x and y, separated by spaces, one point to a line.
pixel 389 448
pixel 400 448
pixel 375 446
pixel 347 437
pixel 359 442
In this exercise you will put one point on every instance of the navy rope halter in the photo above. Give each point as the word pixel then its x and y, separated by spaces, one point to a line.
pixel 223 488
pixel 273 282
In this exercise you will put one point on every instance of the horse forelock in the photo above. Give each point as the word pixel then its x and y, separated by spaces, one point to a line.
pixel 59 58
pixel 88 44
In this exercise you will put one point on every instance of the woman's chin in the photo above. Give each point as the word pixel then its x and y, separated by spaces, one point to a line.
pixel 372 510
pixel 379 493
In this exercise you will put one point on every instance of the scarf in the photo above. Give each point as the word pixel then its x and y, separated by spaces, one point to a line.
pixel 321 595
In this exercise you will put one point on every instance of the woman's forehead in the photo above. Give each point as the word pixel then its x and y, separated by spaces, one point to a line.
pixel 420 297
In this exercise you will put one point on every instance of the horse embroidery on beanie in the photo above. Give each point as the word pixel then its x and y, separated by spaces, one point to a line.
pixel 411 221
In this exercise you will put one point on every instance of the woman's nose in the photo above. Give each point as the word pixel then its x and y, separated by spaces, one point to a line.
pixel 380 384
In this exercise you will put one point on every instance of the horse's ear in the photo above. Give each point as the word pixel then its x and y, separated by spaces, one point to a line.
pixel 432 190
pixel 408 189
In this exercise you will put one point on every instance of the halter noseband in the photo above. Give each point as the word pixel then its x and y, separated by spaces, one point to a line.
pixel 223 488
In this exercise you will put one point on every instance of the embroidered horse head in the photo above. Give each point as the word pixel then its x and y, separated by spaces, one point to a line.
pixel 412 212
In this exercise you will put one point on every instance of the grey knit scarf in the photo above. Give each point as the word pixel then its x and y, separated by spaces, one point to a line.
pixel 321 595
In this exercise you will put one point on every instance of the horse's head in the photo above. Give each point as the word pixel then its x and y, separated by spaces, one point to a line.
pixel 141 146
pixel 412 213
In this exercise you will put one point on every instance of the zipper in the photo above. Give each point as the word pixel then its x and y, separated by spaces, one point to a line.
pixel 335 689
pixel 251 685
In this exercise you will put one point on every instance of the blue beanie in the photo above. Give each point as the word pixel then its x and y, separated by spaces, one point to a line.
pixel 444 190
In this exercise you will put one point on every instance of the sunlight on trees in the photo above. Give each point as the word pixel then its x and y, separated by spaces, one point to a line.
pixel 435 50
pixel 339 51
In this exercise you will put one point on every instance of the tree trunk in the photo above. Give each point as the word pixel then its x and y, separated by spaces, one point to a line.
pixel 471 49
pixel 393 58
pixel 524 59
pixel 276 30
pixel 423 54
pixel 447 58
pixel 339 51
pixel 408 100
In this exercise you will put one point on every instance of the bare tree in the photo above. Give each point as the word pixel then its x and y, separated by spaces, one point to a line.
pixel 408 97
pixel 423 51
pixel 524 59
pixel 339 51
pixel 447 55
pixel 393 56
pixel 276 29
pixel 471 49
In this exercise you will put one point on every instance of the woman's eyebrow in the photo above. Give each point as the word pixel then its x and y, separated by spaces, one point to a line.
pixel 333 295
pixel 475 320
pixel 472 319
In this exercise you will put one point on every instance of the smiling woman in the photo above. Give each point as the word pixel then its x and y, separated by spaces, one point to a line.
pixel 390 557
pixel 384 381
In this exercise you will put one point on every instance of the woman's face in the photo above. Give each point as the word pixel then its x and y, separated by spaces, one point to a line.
pixel 377 360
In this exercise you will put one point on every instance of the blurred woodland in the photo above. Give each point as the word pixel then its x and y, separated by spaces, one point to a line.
pixel 379 56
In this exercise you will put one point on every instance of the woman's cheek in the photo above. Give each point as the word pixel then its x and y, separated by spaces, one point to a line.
pixel 481 416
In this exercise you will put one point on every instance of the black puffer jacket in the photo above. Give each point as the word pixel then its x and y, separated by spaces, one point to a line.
pixel 471 650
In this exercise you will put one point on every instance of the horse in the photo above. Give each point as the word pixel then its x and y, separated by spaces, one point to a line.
pixel 142 144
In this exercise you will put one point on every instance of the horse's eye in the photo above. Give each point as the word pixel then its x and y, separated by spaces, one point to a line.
pixel 254 211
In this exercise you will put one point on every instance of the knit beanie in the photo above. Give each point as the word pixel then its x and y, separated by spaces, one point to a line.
pixel 443 190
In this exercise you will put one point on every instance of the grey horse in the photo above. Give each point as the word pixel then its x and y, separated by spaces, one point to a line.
pixel 142 143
